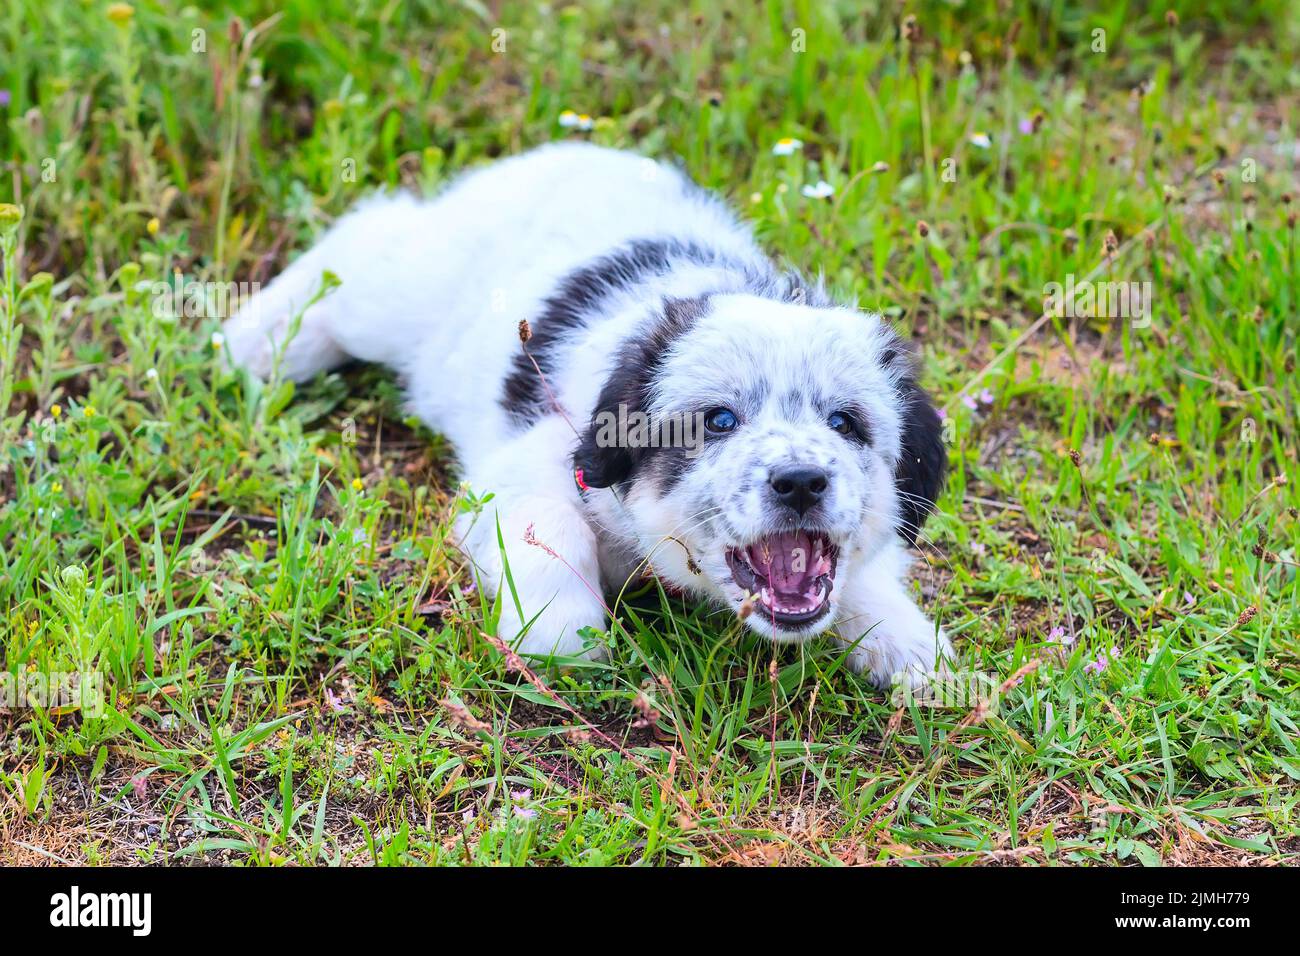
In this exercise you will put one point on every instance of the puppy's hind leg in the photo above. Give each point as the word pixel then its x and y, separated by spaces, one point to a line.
pixel 301 326
pixel 286 326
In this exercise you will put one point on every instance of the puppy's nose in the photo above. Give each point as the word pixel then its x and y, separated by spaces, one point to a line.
pixel 799 488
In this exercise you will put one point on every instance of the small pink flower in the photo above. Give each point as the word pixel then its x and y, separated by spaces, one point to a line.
pixel 1102 661
pixel 943 414
pixel 139 786
pixel 517 796
pixel 986 397
pixel 1058 635
pixel 970 402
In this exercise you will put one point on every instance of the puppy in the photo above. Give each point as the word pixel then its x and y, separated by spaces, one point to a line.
pixel 641 391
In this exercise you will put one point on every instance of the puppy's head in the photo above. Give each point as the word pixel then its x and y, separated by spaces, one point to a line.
pixel 763 448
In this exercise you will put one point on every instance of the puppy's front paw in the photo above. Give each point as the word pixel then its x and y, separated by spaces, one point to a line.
pixel 552 626
pixel 904 656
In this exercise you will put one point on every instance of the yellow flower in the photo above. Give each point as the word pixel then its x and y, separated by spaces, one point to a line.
pixel 57 487
pixel 153 226
pixel 358 484
pixel 10 217
pixel 56 409
pixel 88 410
pixel 120 13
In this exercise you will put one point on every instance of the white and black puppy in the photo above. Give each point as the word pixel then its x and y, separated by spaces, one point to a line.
pixel 801 456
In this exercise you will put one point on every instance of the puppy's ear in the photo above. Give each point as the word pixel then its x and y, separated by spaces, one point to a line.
pixel 604 455
pixel 923 459
pixel 601 458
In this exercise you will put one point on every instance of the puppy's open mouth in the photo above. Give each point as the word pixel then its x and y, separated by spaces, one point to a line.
pixel 791 573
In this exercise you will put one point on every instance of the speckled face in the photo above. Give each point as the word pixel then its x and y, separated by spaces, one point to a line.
pixel 796 480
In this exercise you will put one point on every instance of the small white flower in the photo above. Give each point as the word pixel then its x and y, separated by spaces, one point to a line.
pixel 786 146
pixel 218 340
pixel 756 198
pixel 822 190
pixel 152 374
pixel 982 140
pixel 579 121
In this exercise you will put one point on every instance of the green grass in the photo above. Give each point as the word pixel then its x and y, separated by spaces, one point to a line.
pixel 295 665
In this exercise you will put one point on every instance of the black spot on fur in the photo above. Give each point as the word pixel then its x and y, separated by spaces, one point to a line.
pixel 923 459
pixel 578 296
pixel 628 387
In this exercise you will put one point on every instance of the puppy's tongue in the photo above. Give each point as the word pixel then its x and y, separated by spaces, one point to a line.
pixel 790 561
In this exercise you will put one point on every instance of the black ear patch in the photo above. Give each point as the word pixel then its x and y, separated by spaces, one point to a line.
pixel 603 463
pixel 923 460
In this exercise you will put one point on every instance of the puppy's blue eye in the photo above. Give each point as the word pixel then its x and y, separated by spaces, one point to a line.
pixel 721 420
pixel 842 423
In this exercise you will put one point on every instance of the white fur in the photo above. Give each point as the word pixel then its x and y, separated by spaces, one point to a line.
pixel 436 289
